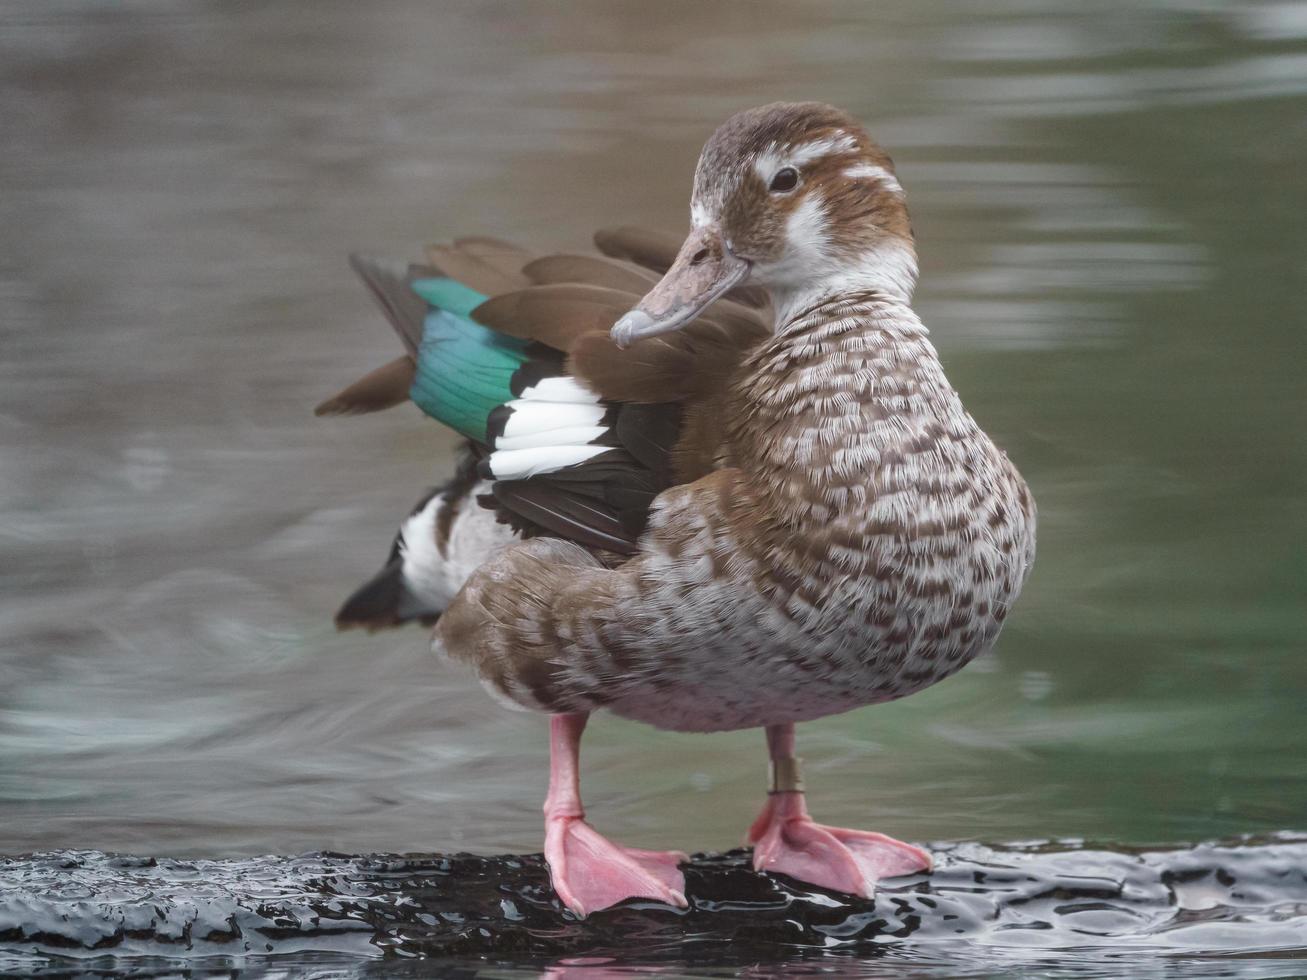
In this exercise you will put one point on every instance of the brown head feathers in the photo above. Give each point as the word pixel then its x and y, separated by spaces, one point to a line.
pixel 801 192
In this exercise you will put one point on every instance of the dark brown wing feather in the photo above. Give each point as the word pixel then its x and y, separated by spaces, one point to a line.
pixel 650 433
pixel 504 257
pixel 656 250
pixel 388 283
pixel 383 388
pixel 672 368
pixel 645 247
pixel 533 507
pixel 557 314
pixel 591 269
pixel 487 271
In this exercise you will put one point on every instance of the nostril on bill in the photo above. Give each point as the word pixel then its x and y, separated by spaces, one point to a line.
pixel 699 256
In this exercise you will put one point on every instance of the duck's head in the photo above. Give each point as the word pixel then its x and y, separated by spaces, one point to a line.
pixel 795 197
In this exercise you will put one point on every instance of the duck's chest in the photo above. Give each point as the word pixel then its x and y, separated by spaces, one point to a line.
pixel 855 450
pixel 869 542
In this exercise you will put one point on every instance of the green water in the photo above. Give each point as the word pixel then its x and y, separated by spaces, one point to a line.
pixel 1109 200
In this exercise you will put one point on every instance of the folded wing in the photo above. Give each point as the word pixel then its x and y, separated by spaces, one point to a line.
pixel 512 351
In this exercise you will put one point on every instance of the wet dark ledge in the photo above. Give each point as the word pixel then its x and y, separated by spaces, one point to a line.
pixel 1214 899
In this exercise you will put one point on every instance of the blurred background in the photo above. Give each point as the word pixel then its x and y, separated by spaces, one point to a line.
pixel 1109 199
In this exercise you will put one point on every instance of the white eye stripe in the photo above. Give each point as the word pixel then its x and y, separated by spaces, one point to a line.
pixel 774 158
pixel 870 171
pixel 807 152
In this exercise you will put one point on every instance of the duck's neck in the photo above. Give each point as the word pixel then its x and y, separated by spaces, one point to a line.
pixel 849 392
pixel 888 269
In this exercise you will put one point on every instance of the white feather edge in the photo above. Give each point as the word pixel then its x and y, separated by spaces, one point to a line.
pixel 520 464
pixel 431 577
pixel 417 549
pixel 775 157
pixel 560 389
pixel 576 435
pixel 870 171
pixel 530 416
pixel 548 430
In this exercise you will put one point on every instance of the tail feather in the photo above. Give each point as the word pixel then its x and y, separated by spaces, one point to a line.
pixel 390 285
pixel 421 571
pixel 488 268
pixel 465 371
pixel 448 294
pixel 384 601
pixel 383 388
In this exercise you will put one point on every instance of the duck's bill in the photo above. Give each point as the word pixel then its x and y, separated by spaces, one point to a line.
pixel 702 271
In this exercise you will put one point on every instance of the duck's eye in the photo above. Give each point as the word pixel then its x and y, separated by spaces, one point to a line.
pixel 786 179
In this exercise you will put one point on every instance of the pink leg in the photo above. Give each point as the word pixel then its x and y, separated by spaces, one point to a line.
pixel 787 841
pixel 589 871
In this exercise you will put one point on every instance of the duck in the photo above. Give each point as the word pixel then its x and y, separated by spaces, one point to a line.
pixel 708 484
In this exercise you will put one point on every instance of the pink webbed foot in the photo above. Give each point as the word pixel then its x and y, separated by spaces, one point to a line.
pixel 590 872
pixel 787 841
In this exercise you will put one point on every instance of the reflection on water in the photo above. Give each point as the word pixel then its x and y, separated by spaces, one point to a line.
pixel 1108 201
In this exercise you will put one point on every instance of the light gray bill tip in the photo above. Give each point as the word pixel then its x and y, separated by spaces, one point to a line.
pixel 632 326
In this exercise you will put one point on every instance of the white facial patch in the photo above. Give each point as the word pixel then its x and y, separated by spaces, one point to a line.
pixel 870 171
pixel 806 229
pixel 811 269
pixel 775 158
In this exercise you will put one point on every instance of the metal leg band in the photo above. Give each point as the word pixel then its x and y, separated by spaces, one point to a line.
pixel 785 776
